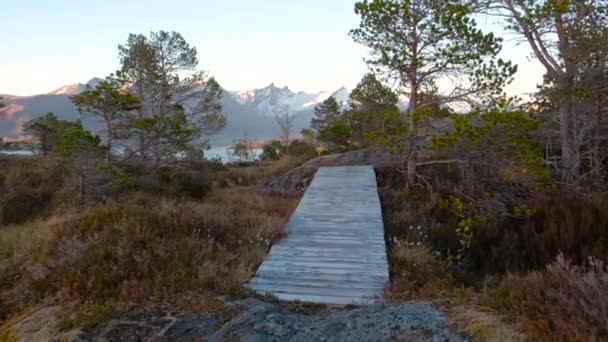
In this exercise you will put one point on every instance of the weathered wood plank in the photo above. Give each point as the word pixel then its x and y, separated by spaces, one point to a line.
pixel 334 250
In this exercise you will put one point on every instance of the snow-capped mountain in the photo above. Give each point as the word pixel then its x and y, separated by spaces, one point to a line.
pixel 248 112
pixel 273 100
pixel 73 89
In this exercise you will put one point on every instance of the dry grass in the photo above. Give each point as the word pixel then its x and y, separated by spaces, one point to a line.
pixel 416 272
pixel 27 187
pixel 481 324
pixel 143 249
pixel 564 302
pixel 263 171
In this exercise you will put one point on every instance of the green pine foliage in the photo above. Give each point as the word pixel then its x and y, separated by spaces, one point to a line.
pixel 61 136
pixel 369 103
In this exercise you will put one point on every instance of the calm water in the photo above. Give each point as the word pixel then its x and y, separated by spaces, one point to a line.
pixel 226 155
pixel 222 153
pixel 17 153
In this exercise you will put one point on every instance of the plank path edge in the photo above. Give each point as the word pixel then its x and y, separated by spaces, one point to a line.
pixel 333 251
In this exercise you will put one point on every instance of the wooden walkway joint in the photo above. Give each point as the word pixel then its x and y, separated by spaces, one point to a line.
pixel 334 250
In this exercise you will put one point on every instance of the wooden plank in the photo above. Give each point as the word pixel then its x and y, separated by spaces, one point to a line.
pixel 322 291
pixel 326 257
pixel 331 277
pixel 323 270
pixel 336 300
pixel 334 250
pixel 316 283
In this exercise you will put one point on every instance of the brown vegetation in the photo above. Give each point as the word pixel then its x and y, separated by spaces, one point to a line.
pixel 564 302
pixel 511 230
pixel 141 246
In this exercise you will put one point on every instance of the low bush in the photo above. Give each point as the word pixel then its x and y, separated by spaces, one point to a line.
pixel 557 222
pixel 562 303
pixel 272 151
pixel 416 271
pixel 190 179
pixel 27 187
pixel 299 149
pixel 493 231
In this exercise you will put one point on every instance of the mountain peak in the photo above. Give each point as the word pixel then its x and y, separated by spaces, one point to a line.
pixel 75 88
pixel 93 82
pixel 68 89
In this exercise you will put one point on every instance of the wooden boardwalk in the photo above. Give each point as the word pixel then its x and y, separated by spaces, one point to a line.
pixel 334 250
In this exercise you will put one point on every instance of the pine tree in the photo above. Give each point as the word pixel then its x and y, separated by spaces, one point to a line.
pixel 570 40
pixel 369 103
pixel 111 104
pixel 326 114
pixel 179 106
pixel 419 43
pixel 64 137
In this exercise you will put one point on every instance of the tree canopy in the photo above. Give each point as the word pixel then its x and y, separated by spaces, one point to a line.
pixel 63 137
pixel 111 104
pixel 420 43
pixel 179 106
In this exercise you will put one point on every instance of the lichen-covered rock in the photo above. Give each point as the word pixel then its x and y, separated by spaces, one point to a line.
pixel 255 321
pixel 296 181
pixel 414 321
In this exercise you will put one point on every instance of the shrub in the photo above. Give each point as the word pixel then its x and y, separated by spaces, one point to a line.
pixel 272 151
pixel 563 302
pixel 297 148
pixel 301 149
pixel 496 230
pixel 28 188
pixel 560 222
pixel 415 269
pixel 192 180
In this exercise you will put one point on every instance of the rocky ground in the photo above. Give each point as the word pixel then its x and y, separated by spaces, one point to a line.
pixel 298 179
pixel 258 321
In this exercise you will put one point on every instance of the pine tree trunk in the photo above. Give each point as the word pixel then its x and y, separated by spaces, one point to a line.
pixel 596 146
pixel 411 171
pixel 412 156
pixel 569 145
pixel 110 135
pixel 109 153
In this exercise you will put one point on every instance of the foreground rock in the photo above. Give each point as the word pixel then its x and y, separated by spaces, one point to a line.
pixel 267 322
pixel 258 321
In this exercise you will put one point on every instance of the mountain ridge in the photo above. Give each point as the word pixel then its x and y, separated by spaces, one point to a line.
pixel 249 112
pixel 251 115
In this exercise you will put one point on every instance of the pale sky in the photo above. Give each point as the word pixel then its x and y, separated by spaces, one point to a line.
pixel 303 44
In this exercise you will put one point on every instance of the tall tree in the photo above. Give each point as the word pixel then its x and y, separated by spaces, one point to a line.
pixel 418 44
pixel 570 39
pixel 326 114
pixel 111 104
pixel 369 102
pixel 330 124
pixel 179 105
